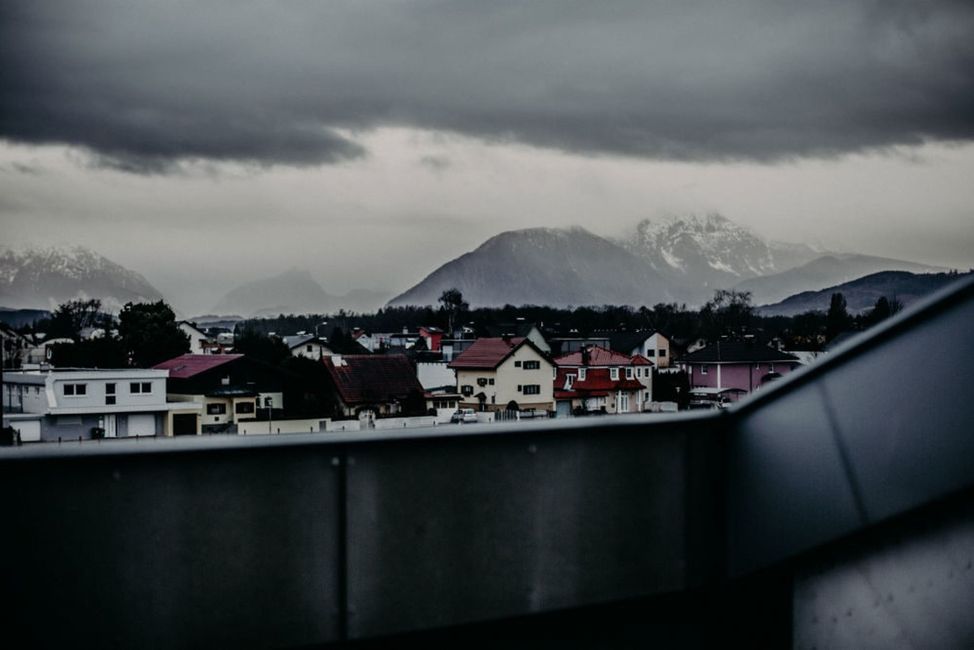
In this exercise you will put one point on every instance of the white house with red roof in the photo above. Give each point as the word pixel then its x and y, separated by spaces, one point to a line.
pixel 598 380
pixel 504 373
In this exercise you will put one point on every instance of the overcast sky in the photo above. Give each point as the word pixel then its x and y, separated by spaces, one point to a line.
pixel 369 142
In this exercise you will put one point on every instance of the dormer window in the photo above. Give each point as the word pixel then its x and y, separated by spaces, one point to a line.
pixel 581 374
pixel 629 374
pixel 614 374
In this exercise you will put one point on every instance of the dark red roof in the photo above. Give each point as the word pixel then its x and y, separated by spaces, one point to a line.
pixel 373 378
pixel 190 365
pixel 597 382
pixel 487 352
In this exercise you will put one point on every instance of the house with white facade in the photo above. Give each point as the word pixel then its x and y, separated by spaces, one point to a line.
pixel 72 404
pixel 496 374
pixel 307 345
pixel 652 345
pixel 599 380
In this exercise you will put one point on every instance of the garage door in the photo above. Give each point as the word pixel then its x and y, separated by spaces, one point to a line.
pixel 184 424
pixel 30 430
pixel 142 425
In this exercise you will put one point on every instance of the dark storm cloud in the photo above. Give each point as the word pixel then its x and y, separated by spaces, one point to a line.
pixel 144 85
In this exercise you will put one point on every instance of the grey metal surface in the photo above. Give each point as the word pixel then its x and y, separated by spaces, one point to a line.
pixel 910 588
pixel 461 530
pixel 787 488
pixel 882 427
pixel 906 411
pixel 171 551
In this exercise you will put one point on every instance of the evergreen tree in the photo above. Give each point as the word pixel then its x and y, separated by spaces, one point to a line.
pixel 149 333
pixel 837 320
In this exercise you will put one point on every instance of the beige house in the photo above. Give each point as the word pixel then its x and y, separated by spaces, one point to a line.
pixel 504 373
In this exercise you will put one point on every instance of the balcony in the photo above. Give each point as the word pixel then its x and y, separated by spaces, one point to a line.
pixel 832 508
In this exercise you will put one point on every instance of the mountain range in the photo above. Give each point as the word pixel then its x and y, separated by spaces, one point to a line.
pixel 41 278
pixel 861 294
pixel 293 292
pixel 674 260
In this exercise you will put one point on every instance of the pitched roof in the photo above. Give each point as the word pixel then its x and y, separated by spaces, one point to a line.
pixel 190 365
pixel 599 356
pixel 737 352
pixel 597 382
pixel 488 352
pixel 298 340
pixel 628 341
pixel 372 378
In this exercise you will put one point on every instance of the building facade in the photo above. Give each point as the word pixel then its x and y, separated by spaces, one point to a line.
pixel 48 406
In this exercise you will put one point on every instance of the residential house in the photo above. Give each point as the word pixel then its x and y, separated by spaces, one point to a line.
pixel 72 404
pixel 599 380
pixel 502 373
pixel 521 329
pixel 561 345
pixel 306 345
pixel 652 345
pixel 42 351
pixel 433 336
pixel 199 342
pixel 375 385
pixel 729 369
pixel 229 388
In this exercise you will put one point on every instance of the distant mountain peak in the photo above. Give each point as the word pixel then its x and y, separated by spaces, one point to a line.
pixel 42 277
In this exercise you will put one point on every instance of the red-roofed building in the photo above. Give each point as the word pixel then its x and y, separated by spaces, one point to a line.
pixel 599 380
pixel 231 387
pixel 503 373
pixel 385 384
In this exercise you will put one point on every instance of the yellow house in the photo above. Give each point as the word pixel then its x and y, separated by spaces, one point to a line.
pixel 504 373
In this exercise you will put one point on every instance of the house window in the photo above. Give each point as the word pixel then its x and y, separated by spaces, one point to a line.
pixel 662 353
pixel 466 390
pixel 309 348
pixel 581 374
pixel 704 370
pixel 569 380
pixel 481 381
pixel 137 387
pixel 614 373
pixel 517 364
pixel 629 374
pixel 244 407
pixel 532 389
pixel 491 381
pixel 109 389
pixel 532 365
pixel 75 390
pixel 651 353
pixel 216 409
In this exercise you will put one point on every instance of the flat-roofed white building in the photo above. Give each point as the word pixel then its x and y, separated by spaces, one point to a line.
pixel 67 404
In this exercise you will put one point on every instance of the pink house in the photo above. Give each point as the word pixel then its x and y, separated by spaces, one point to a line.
pixel 727 370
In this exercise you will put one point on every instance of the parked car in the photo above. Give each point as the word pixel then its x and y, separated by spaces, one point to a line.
pixel 464 415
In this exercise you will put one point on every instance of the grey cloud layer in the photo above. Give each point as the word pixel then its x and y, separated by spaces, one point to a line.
pixel 146 84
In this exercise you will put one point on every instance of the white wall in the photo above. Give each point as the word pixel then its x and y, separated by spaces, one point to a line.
pixel 435 375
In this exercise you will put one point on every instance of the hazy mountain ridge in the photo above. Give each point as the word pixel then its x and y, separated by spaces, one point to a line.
pixel 293 292
pixel 829 270
pixel 41 278
pixel 550 266
pixel 861 294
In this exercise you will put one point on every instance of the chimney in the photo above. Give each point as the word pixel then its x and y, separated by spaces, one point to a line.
pixel 586 355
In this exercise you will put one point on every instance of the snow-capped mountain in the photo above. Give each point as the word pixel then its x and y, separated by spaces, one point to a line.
pixel 544 266
pixel 41 278
pixel 710 252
